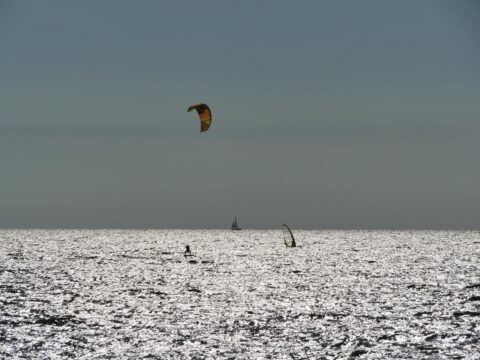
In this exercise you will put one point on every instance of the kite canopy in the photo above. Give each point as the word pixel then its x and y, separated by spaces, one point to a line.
pixel 205 115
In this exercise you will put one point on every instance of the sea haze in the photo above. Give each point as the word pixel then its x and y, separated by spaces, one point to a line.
pixel 124 294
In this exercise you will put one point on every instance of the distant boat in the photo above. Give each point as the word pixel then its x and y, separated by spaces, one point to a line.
pixel 235 225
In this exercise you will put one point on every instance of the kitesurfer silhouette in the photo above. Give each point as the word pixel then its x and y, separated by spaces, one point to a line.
pixel 187 251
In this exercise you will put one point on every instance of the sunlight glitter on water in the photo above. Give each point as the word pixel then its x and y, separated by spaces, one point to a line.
pixel 97 294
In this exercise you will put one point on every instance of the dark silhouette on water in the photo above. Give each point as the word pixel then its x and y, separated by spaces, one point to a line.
pixel 188 252
pixel 288 236
pixel 235 225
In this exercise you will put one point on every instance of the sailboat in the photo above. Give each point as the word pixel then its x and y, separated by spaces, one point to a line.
pixel 235 225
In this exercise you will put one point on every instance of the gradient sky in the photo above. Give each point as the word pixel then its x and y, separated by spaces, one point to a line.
pixel 327 114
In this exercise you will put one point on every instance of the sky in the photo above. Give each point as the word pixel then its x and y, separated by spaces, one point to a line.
pixel 326 114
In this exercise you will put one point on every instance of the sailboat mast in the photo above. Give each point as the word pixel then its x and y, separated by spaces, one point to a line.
pixel 235 224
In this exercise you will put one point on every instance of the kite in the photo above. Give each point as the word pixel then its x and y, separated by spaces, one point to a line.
pixel 205 115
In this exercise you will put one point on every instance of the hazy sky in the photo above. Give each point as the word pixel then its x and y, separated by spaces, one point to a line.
pixel 327 114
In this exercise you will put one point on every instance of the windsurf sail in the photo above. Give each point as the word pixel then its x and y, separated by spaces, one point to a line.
pixel 288 238
pixel 205 115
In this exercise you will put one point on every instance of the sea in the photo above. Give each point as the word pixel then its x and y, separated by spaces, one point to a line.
pixel 132 294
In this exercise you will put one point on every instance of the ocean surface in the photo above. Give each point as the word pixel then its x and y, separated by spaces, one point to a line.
pixel 131 294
